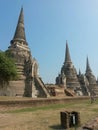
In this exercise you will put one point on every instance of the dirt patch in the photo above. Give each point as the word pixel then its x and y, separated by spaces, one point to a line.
pixel 43 119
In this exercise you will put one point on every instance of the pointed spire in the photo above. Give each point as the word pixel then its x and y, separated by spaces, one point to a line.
pixel 67 54
pixel 88 69
pixel 79 72
pixel 20 30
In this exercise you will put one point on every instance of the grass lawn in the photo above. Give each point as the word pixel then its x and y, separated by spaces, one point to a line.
pixel 45 117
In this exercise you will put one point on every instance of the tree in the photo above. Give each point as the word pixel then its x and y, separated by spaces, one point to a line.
pixel 7 68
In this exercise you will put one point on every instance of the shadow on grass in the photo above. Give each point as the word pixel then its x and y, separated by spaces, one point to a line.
pixel 56 127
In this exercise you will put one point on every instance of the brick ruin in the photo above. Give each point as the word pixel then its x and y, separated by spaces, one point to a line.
pixel 29 83
pixel 80 84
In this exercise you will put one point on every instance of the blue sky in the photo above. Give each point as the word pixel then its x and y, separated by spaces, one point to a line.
pixel 48 24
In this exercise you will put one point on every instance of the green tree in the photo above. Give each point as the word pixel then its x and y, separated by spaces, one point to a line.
pixel 7 69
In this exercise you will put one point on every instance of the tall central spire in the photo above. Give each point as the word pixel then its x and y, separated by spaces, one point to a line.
pixel 20 30
pixel 67 54
pixel 88 69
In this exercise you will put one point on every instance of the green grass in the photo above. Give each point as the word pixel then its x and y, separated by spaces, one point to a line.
pixel 49 107
pixel 71 104
pixel 48 116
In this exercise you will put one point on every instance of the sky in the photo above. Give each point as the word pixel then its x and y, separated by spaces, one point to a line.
pixel 48 24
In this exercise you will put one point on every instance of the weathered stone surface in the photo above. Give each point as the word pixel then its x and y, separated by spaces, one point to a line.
pixel 82 84
pixel 91 125
pixel 68 76
pixel 91 79
pixel 27 66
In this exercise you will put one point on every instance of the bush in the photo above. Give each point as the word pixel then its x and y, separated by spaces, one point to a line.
pixel 7 68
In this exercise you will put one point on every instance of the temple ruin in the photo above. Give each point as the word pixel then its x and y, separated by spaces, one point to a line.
pixel 29 83
pixel 79 84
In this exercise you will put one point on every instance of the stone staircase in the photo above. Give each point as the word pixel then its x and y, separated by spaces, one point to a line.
pixel 69 92
pixel 40 86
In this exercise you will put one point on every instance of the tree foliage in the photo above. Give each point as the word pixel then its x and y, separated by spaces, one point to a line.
pixel 7 68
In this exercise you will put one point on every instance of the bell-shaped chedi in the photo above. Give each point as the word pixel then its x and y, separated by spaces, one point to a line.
pixel 91 78
pixel 69 71
pixel 19 47
pixel 93 86
pixel 29 83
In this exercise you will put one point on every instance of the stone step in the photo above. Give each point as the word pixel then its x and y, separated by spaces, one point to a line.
pixel 42 86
